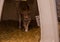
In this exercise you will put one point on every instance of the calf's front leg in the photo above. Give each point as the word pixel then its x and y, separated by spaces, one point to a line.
pixel 26 25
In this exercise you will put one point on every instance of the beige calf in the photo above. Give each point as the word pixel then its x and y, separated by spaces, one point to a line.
pixel 26 19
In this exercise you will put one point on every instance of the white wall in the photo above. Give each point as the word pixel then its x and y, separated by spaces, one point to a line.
pixel 1 6
pixel 48 21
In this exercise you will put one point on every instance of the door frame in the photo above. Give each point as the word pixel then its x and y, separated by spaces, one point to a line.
pixel 48 21
pixel 1 7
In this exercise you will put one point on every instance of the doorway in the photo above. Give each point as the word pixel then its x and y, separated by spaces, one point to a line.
pixel 10 31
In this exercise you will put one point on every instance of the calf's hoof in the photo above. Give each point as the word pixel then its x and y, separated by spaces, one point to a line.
pixel 26 30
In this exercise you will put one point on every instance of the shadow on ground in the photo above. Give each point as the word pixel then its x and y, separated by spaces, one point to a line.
pixel 9 32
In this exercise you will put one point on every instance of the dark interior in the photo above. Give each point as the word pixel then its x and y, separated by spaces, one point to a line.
pixel 11 11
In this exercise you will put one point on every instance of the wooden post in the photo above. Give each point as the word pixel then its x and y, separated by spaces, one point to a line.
pixel 1 7
pixel 48 21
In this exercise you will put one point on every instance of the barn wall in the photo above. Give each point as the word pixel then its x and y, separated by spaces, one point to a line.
pixel 9 11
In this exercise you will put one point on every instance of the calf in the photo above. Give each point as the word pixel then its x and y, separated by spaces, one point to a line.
pixel 25 14
pixel 26 19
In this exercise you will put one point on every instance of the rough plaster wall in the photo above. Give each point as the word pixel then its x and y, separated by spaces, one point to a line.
pixel 34 9
pixel 10 12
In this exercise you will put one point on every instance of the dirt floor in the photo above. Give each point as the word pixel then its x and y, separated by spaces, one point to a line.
pixel 9 32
